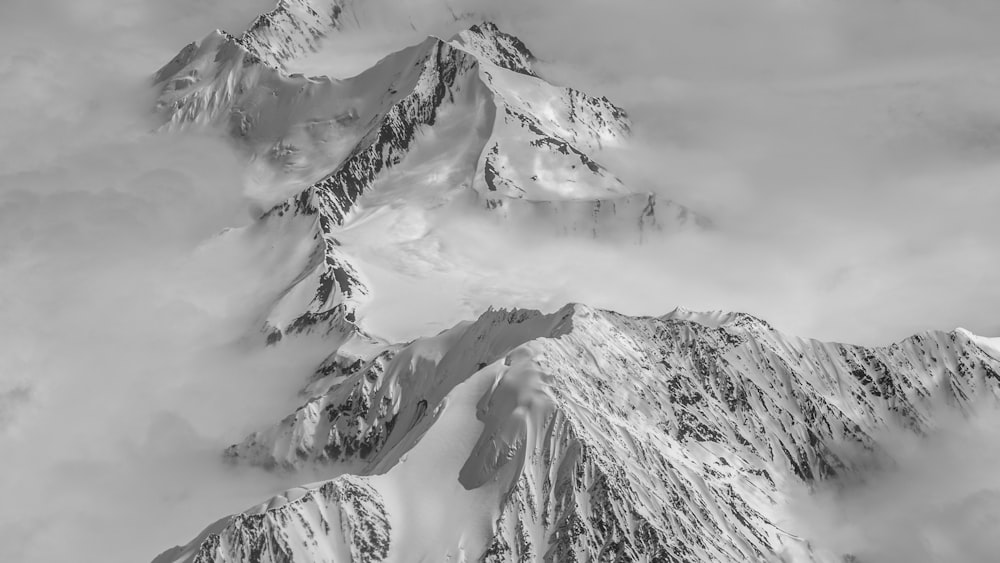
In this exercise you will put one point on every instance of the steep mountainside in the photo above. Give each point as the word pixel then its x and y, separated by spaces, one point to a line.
pixel 525 152
pixel 595 436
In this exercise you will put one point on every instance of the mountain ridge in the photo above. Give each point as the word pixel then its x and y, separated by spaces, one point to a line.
pixel 707 421
pixel 526 163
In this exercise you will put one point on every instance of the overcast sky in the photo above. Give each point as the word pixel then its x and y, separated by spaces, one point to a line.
pixel 846 150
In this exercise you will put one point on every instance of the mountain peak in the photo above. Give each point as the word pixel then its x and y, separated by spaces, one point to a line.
pixel 293 28
pixel 715 318
pixel 490 44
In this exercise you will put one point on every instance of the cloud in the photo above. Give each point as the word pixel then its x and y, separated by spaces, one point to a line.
pixel 847 147
pixel 124 361
pixel 935 498
pixel 11 401
pixel 125 364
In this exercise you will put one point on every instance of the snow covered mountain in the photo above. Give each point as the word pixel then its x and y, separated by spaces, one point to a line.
pixel 586 435
pixel 532 140
pixel 580 435
pixel 502 141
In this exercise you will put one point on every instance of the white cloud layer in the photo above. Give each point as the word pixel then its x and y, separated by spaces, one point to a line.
pixel 934 499
pixel 846 150
pixel 123 369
